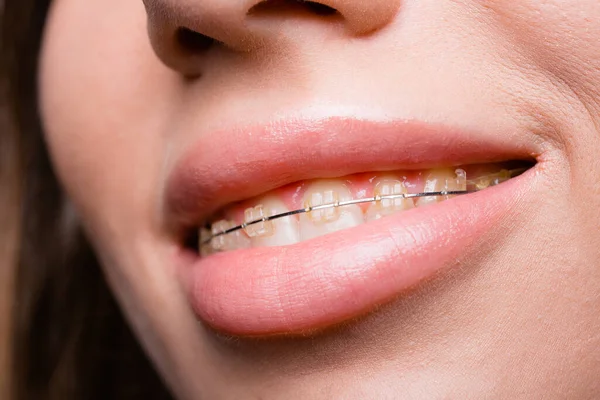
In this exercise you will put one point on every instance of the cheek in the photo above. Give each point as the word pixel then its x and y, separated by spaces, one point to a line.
pixel 562 36
pixel 104 101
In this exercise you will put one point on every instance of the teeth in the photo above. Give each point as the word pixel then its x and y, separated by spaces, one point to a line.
pixel 284 230
pixel 322 198
pixel 492 180
pixel 232 241
pixel 385 207
pixel 441 180
pixel 203 236
pixel 461 178
pixel 223 242
pixel 321 222
pixel 313 221
pixel 500 177
pixel 240 240
pixel 483 183
pixel 460 181
pixel 260 229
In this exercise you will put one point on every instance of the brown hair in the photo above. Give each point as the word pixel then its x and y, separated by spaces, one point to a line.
pixel 68 338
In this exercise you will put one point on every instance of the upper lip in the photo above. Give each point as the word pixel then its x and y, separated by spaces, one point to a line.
pixel 247 161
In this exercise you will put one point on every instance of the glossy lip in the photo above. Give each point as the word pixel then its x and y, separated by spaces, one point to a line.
pixel 320 282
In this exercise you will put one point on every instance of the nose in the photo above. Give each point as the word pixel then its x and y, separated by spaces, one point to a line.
pixel 183 31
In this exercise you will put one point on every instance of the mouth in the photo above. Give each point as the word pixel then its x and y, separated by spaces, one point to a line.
pixel 296 226
pixel 306 210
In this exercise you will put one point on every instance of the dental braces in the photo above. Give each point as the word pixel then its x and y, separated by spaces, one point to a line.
pixel 477 185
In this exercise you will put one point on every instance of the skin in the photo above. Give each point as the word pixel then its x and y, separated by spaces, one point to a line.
pixel 519 319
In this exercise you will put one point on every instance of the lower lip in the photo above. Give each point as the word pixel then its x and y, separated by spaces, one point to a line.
pixel 327 280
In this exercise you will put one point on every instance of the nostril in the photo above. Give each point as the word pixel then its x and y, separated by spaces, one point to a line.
pixel 192 41
pixel 319 9
pixel 312 7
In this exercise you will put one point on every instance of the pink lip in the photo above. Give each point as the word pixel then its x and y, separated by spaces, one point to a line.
pixel 327 280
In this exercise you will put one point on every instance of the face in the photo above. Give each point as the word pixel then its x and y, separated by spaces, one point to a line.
pixel 182 129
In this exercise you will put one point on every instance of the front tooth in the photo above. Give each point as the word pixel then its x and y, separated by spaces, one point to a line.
pixel 285 230
pixel 442 180
pixel 383 207
pixel 332 219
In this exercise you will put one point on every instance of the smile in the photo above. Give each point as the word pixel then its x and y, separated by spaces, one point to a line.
pixel 333 205
pixel 297 237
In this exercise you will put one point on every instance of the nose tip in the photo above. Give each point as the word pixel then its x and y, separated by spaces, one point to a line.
pixel 182 31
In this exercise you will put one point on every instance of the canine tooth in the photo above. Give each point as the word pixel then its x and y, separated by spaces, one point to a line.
pixel 321 222
pixel 285 230
pixel 387 187
pixel 259 229
pixel 322 198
